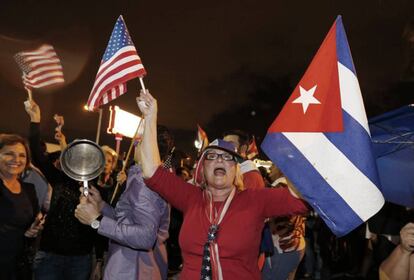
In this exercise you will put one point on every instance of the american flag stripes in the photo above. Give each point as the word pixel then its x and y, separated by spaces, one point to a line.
pixel 41 67
pixel 120 63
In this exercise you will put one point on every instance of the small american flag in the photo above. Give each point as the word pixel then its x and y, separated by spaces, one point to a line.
pixel 167 164
pixel 41 67
pixel 120 63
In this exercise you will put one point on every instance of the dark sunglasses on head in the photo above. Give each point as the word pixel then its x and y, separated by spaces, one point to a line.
pixel 224 156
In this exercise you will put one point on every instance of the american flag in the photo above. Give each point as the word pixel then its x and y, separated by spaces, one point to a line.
pixel 167 164
pixel 41 67
pixel 120 63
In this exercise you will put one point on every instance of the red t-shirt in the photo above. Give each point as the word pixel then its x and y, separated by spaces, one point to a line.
pixel 240 231
pixel 253 180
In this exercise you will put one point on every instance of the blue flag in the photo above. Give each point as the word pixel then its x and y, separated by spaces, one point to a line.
pixel 393 143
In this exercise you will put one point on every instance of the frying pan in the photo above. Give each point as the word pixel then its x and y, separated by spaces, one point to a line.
pixel 83 160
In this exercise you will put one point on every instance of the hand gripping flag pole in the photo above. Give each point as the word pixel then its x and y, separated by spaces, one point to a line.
pixel 321 139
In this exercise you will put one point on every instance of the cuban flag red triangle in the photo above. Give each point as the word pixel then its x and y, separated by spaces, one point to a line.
pixel 316 96
pixel 321 140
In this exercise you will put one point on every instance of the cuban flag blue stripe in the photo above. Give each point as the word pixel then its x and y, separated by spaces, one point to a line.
pixel 355 143
pixel 341 218
pixel 342 48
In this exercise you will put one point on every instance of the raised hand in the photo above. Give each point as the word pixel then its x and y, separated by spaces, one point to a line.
pixel 121 177
pixel 407 237
pixel 33 110
pixel 60 121
pixel 147 104
pixel 61 138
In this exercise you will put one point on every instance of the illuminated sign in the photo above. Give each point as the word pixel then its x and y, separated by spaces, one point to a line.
pixel 123 123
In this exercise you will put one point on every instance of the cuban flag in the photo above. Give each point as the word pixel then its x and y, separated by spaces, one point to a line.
pixel 321 139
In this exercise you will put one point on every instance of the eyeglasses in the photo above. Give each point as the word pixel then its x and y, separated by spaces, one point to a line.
pixel 224 156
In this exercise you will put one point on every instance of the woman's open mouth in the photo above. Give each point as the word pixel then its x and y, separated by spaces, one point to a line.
pixel 219 171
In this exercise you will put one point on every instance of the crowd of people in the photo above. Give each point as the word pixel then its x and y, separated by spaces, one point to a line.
pixel 157 218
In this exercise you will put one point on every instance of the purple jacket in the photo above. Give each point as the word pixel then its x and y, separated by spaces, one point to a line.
pixel 137 229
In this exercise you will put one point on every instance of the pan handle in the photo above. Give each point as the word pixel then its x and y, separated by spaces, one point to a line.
pixel 85 188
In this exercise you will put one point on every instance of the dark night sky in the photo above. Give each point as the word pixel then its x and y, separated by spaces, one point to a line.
pixel 203 58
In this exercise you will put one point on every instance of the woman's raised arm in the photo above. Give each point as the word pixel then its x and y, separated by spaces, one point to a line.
pixel 150 155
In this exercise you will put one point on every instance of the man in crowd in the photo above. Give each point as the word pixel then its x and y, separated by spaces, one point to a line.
pixel 251 174
pixel 66 244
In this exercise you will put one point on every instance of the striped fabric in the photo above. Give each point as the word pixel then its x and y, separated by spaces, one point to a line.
pixel 41 67
pixel 120 63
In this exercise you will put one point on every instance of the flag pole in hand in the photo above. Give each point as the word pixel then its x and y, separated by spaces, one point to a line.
pixel 29 94
pixel 141 81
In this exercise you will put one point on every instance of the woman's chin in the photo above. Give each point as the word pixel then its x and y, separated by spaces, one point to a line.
pixel 219 186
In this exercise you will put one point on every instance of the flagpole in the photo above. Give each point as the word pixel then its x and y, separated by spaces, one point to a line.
pixel 29 94
pixel 141 81
pixel 124 163
pixel 98 131
pixel 118 139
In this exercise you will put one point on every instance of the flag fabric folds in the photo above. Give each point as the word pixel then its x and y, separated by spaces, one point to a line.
pixel 202 138
pixel 252 150
pixel 41 67
pixel 393 144
pixel 120 63
pixel 321 140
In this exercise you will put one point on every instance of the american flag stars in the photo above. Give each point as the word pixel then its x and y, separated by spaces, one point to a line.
pixel 119 39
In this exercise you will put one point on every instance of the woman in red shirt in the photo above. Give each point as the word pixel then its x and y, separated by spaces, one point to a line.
pixel 223 221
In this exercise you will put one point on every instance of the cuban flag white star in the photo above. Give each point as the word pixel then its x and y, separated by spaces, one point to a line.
pixel 306 97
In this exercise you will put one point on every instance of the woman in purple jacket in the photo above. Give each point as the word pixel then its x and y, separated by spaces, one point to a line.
pixel 137 229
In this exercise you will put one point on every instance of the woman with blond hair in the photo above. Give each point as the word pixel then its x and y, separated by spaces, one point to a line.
pixel 108 179
pixel 223 220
